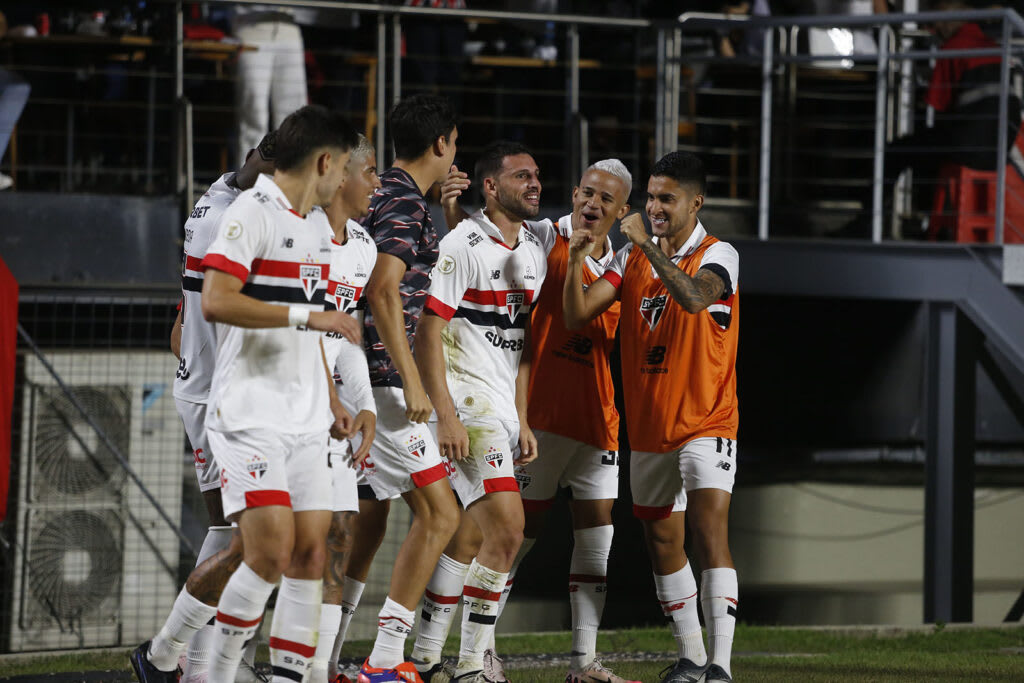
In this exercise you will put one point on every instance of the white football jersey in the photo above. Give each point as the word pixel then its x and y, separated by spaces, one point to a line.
pixel 198 343
pixel 351 265
pixel 271 378
pixel 486 290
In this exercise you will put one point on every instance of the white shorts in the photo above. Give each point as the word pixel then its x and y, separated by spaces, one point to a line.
pixel 193 415
pixel 260 467
pixel 344 477
pixel 404 455
pixel 659 481
pixel 493 444
pixel 592 473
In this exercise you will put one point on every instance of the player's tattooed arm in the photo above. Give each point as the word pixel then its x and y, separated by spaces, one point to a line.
pixel 695 293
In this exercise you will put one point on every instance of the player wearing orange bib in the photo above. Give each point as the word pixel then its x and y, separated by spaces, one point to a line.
pixel 679 321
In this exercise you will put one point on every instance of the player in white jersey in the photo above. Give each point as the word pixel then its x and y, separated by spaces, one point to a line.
pixel 573 415
pixel 353 255
pixel 472 350
pixel 272 397
pixel 194 343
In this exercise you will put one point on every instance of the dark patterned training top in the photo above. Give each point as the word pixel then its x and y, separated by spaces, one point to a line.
pixel 399 222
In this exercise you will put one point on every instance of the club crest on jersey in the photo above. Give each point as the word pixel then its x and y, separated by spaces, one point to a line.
pixel 523 479
pixel 494 457
pixel 416 446
pixel 344 296
pixel 652 308
pixel 257 466
pixel 513 302
pixel 310 277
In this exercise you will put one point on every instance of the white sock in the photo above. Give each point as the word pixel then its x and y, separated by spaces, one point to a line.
pixel 440 602
pixel 678 596
pixel 588 585
pixel 217 538
pixel 719 596
pixel 350 597
pixel 523 550
pixel 394 624
pixel 330 620
pixel 238 616
pixel 480 597
pixel 293 632
pixel 187 616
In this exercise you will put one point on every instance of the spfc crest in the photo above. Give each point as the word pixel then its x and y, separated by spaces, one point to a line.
pixel 310 277
pixel 494 457
pixel 417 447
pixel 523 479
pixel 257 466
pixel 652 308
pixel 344 296
pixel 513 302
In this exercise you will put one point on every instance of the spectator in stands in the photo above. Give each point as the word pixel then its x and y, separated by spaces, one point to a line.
pixel 271 78
pixel 13 96
pixel 964 93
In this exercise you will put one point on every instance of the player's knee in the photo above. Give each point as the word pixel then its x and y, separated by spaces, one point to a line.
pixel 507 542
pixel 269 563
pixel 307 561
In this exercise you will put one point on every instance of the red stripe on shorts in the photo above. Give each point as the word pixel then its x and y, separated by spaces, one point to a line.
pixel 429 476
pixel 258 499
pixel 292 646
pixel 501 484
pixel 652 511
pixel 474 592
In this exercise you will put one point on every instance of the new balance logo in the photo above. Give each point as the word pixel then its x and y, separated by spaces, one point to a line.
pixel 579 344
pixel 655 355
pixel 724 465
pixel 495 274
pixel 287 243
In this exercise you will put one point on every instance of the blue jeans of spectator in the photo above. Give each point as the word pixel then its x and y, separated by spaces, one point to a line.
pixel 13 96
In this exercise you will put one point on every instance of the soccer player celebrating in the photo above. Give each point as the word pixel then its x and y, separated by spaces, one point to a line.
pixel 353 255
pixel 571 408
pixel 404 457
pixel 271 397
pixel 473 352
pixel 678 292
pixel 193 342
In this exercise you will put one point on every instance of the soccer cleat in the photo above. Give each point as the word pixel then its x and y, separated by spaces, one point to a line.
pixel 716 674
pixel 145 672
pixel 340 678
pixel 595 672
pixel 683 671
pixel 442 672
pixel 493 669
pixel 247 673
pixel 403 673
pixel 472 677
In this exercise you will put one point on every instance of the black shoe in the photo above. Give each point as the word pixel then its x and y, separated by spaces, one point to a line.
pixel 716 674
pixel 145 672
pixel 683 671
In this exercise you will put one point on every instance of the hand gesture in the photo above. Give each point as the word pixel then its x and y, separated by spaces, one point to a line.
pixel 527 445
pixel 454 185
pixel 418 407
pixel 581 244
pixel 342 427
pixel 633 228
pixel 336 321
pixel 365 424
pixel 452 439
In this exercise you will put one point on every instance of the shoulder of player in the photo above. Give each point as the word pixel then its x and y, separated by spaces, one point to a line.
pixel 720 249
pixel 358 233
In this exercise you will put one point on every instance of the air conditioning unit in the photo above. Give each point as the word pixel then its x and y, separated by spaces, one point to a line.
pixel 95 564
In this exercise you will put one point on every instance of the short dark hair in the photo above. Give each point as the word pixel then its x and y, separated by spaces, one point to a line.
pixel 490 160
pixel 416 122
pixel 308 129
pixel 684 168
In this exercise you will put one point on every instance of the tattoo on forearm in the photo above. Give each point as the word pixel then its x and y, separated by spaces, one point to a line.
pixel 692 293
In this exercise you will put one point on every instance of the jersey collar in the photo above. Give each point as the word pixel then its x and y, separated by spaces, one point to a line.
pixel 690 245
pixel 492 231
pixel 565 228
pixel 266 184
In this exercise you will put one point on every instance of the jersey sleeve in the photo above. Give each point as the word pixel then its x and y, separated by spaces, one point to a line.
pixel 722 259
pixel 240 239
pixel 351 368
pixel 546 231
pixel 613 273
pixel 396 231
pixel 450 278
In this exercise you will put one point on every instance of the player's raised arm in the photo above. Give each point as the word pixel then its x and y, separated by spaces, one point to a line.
pixel 581 306
pixel 452 188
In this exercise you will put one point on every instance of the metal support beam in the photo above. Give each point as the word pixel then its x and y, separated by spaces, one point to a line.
pixel 953 345
pixel 382 59
pixel 877 180
pixel 764 189
pixel 1003 137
